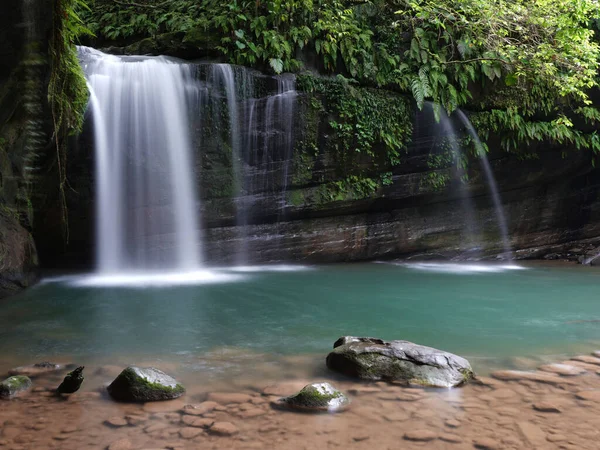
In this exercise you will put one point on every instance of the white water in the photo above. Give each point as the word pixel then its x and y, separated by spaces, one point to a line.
pixel 493 187
pixel 146 214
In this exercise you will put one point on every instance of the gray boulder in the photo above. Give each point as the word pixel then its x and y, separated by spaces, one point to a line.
pixel 316 397
pixel 376 359
pixel 14 385
pixel 139 384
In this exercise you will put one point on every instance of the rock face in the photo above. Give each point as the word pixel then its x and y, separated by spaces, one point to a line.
pixel 14 385
pixel 316 397
pixel 287 194
pixel 72 382
pixel 376 359
pixel 136 384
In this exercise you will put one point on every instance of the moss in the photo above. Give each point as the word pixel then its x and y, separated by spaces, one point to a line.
pixel 13 385
pixel 129 386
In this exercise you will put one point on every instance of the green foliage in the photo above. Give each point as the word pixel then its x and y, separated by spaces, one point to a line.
pixel 67 89
pixel 370 130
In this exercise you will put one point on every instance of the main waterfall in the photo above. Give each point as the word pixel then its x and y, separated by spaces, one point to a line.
pixel 146 213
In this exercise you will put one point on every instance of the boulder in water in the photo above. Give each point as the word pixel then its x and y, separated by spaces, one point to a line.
pixel 144 384
pixel 316 397
pixel 72 382
pixel 376 359
pixel 14 385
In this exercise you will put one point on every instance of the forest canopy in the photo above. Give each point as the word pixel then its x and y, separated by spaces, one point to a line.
pixel 527 66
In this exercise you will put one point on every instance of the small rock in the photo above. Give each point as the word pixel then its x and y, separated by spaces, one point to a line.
pixel 198 422
pixel 164 407
pixel 72 382
pixel 199 409
pixel 452 423
pixel 546 407
pixel 121 444
pixel 316 397
pixel 225 398
pixel 596 354
pixel 116 422
pixel 592 396
pixel 254 412
pixel 223 429
pixel 362 437
pixel 14 385
pixel 190 432
pixel 452 438
pixel 420 435
pixel 486 444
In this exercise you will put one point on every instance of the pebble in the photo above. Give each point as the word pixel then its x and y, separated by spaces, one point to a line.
pixel 116 422
pixel 452 423
pixel 121 444
pixel 452 438
pixel 199 422
pixel 200 409
pixel 190 432
pixel 362 437
pixel 420 435
pixel 546 407
pixel 225 398
pixel 254 412
pixel 223 429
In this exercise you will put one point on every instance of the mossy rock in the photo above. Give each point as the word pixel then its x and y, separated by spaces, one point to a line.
pixel 14 385
pixel 376 359
pixel 316 397
pixel 144 384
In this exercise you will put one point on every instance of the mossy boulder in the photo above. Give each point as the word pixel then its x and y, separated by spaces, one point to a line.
pixel 316 397
pixel 376 359
pixel 144 384
pixel 14 385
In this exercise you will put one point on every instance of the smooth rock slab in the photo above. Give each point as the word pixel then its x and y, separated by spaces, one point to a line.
pixel 420 435
pixel 539 377
pixel 591 396
pixel 376 359
pixel 34 370
pixel 226 398
pixel 566 370
pixel 199 409
pixel 587 359
pixel 13 386
pixel 546 407
pixel 137 384
pixel 223 429
pixel 316 397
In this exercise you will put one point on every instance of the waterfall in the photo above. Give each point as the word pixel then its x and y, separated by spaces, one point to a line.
pixel 146 213
pixel 261 139
pixel 493 187
pixel 467 207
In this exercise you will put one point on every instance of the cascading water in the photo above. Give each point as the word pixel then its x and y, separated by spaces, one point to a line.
pixel 261 139
pixel 450 137
pixel 147 215
pixel 493 187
